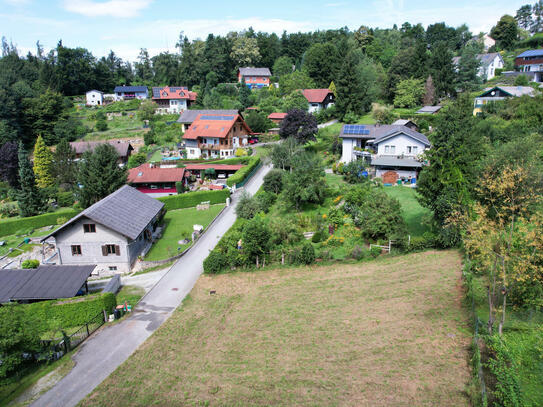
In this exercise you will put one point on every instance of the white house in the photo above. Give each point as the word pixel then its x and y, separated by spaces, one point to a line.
pixel 489 64
pixel 94 98
pixel 318 99
pixel 172 100
pixel 130 92
pixel 394 151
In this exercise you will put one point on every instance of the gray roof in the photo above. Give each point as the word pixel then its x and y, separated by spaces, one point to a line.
pixel 393 161
pixel 130 89
pixel 249 71
pixel 484 59
pixel 403 122
pixel 122 148
pixel 126 211
pixel 429 109
pixel 381 132
pixel 44 283
pixel 531 53
pixel 188 116
pixel 517 91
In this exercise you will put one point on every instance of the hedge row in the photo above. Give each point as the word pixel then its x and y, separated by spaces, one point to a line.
pixel 71 312
pixel 232 161
pixel 242 173
pixel 191 199
pixel 12 226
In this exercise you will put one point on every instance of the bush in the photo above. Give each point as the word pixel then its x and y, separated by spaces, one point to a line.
pixel 317 237
pixel 61 220
pixel 350 118
pixel 192 199
pixel 375 252
pixel 215 262
pixel 11 226
pixel 65 199
pixel 247 206
pixel 101 125
pixel 307 253
pixel 9 209
pixel 180 187
pixel 30 264
pixel 240 175
pixel 357 253
pixel 240 152
pixel 273 181
pixel 265 200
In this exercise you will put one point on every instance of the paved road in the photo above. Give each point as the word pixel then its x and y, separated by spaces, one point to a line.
pixel 103 352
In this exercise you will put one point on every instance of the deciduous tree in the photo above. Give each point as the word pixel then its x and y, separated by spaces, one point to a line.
pixel 300 125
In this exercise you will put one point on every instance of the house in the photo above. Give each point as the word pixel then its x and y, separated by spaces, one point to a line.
pixel 277 117
pixel 394 151
pixel 531 62
pixel 44 283
pixel 318 99
pixel 407 123
pixel 216 136
pixel 254 77
pixel 124 150
pixel 188 116
pixel 130 92
pixel 94 98
pixel 221 170
pixel 429 110
pixel 112 233
pixel 500 93
pixel 488 64
pixel 171 100
pixel 155 181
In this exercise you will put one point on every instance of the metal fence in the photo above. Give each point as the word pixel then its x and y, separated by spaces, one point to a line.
pixel 248 177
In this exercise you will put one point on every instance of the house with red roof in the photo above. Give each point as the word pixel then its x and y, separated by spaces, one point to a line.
pixel 216 136
pixel 154 180
pixel 277 117
pixel 171 100
pixel 319 99
pixel 221 170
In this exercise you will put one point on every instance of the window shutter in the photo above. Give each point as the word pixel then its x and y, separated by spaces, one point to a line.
pixel 104 250
pixel 117 250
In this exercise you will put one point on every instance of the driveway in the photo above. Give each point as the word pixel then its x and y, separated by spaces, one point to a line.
pixel 103 352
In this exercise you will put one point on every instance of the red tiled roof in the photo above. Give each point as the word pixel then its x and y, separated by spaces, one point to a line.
pixel 316 95
pixel 202 126
pixel 217 167
pixel 277 116
pixel 173 93
pixel 145 174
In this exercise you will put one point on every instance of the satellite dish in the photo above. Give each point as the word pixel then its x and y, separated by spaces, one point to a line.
pixel 493 93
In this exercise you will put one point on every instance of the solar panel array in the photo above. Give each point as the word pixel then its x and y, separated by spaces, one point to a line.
pixel 356 129
pixel 226 118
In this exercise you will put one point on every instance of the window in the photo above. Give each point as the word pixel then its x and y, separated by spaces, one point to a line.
pixel 112 268
pixel 415 149
pixel 387 149
pixel 111 249
pixel 76 250
pixel 89 228
pixel 153 186
pixel 408 149
pixel 392 149
pixel 191 151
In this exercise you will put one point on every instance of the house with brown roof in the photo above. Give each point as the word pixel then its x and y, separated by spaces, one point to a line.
pixel 172 100
pixel 123 149
pixel 155 181
pixel 319 99
pixel 277 117
pixel 216 136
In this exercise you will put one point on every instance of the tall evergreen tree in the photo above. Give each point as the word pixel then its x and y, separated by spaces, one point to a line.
pixel 442 70
pixel 99 174
pixel 43 160
pixel 29 197
pixel 244 94
pixel 64 168
pixel 524 16
pixel 468 68
pixel 9 164
pixel 349 86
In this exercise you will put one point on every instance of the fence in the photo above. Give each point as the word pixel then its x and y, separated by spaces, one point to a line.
pixel 113 285
pixel 248 177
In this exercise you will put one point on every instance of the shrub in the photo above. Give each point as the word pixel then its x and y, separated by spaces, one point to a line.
pixel 247 206
pixel 9 209
pixel 101 125
pixel 65 199
pixel 273 181
pixel 11 226
pixel 240 152
pixel 61 220
pixel 215 262
pixel 317 237
pixel 180 187
pixel 240 175
pixel 307 253
pixel 357 253
pixel 375 252
pixel 265 200
pixel 350 118
pixel 30 264
pixel 191 199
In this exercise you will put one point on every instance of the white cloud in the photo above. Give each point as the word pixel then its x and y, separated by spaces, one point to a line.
pixel 110 8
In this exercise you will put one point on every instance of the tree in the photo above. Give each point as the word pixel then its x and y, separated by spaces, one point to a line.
pixel 282 66
pixel 295 100
pixel 135 160
pixel 524 16
pixel 363 37
pixel 245 51
pixel 244 94
pixel 146 110
pixel 30 199
pixel 304 184
pixel 409 93
pixel 468 68
pixel 332 88
pixel 321 63
pixel 521 80
pixel 9 163
pixel 505 32
pixel 442 70
pixel 43 160
pixel 258 122
pixel 283 153
pixel 355 172
pixel 300 125
pixel 537 22
pixel 256 239
pixel 295 81
pixel 247 207
pixel 273 181
pixel 429 97
pixel 64 166
pixel 99 174
pixel 41 115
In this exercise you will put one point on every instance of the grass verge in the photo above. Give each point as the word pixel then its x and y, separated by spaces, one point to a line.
pixel 416 216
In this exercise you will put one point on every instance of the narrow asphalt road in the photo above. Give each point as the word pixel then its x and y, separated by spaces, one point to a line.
pixel 103 352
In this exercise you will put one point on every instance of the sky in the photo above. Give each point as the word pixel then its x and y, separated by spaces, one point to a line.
pixel 125 26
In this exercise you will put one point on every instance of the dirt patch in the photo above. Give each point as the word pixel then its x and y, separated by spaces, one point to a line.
pixel 389 332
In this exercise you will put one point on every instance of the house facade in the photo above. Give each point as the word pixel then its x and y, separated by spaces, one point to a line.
pixel 531 62
pixel 111 234
pixel 156 181
pixel 318 99
pixel 277 117
pixel 172 100
pixel 123 149
pixel 488 64
pixel 500 93
pixel 216 136
pixel 130 92
pixel 392 150
pixel 254 77
pixel 94 98
pixel 188 116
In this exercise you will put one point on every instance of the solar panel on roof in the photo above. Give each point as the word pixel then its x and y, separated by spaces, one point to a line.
pixel 227 118
pixel 356 129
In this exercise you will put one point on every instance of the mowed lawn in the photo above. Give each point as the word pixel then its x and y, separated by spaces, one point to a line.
pixel 179 225
pixel 391 332
pixel 416 216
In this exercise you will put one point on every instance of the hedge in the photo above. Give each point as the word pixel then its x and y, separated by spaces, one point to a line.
pixel 71 312
pixel 232 161
pixel 12 226
pixel 242 173
pixel 191 199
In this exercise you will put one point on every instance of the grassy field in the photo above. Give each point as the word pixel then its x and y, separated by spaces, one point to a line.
pixel 387 333
pixel 178 225
pixel 334 179
pixel 416 216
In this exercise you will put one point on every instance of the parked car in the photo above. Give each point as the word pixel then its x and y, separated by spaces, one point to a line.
pixel 253 140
